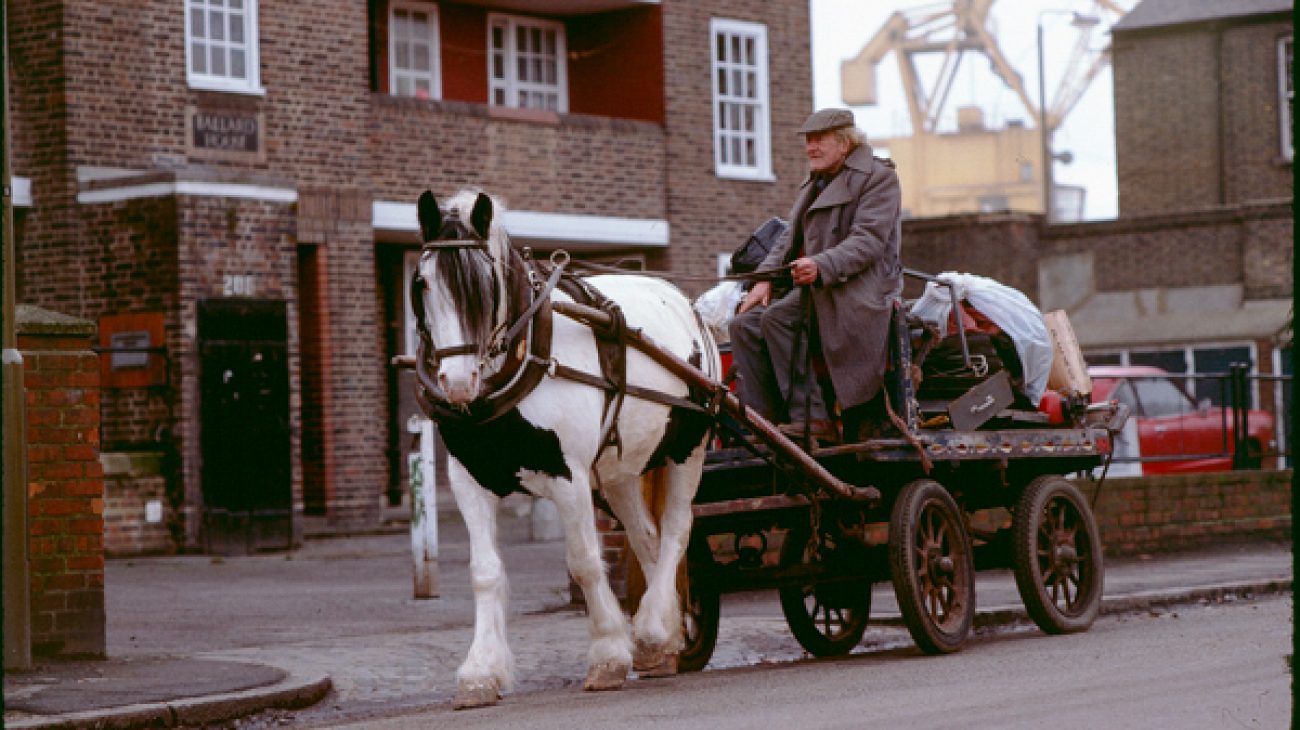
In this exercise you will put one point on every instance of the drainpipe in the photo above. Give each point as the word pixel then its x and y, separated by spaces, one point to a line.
pixel 17 586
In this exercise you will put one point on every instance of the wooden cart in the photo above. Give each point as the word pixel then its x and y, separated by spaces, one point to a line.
pixel 925 508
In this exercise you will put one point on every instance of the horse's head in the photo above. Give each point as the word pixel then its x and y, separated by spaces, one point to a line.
pixel 459 292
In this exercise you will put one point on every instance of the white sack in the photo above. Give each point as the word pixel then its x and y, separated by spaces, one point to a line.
pixel 717 307
pixel 1008 308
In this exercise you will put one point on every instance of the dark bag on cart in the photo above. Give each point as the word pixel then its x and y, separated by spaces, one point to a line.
pixel 753 251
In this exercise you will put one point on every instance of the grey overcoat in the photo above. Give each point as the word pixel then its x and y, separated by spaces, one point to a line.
pixel 853 231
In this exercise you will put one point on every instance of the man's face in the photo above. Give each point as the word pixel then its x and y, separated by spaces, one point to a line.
pixel 825 150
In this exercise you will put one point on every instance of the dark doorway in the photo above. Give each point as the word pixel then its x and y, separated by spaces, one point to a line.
pixel 244 422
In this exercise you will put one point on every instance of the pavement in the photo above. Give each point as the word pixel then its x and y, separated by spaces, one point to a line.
pixel 331 632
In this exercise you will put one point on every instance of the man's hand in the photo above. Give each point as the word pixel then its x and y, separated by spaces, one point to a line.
pixel 761 293
pixel 804 270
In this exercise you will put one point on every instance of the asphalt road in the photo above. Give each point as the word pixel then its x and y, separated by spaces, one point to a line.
pixel 1201 666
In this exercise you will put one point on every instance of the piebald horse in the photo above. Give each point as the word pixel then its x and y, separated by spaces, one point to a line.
pixel 469 291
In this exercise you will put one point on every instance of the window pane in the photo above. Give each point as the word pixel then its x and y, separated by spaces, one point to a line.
pixel 750 58
pixel 550 44
pixel 235 4
pixel 218 61
pixel 499 97
pixel 237 64
pixel 1217 360
pixel 197 26
pixel 403 86
pixel 722 82
pixel 1162 398
pixel 237 28
pixel 199 58
pixel 217 25
pixel 422 88
pixel 421 60
pixel 751 85
pixel 402 55
pixel 498 66
pixel 735 48
pixel 498 37
pixel 720 52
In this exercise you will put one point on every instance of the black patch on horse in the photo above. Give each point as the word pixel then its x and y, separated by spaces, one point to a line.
pixel 686 427
pixel 494 452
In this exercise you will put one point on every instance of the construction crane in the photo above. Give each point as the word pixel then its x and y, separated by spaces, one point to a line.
pixel 950 30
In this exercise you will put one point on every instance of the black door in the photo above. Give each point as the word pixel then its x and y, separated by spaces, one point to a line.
pixel 244 425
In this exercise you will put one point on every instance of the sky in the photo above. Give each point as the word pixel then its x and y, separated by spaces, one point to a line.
pixel 840 28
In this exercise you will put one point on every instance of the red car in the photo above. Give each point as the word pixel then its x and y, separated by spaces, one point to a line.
pixel 1170 424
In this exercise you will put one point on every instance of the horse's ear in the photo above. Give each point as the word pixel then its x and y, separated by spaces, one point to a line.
pixel 481 217
pixel 430 216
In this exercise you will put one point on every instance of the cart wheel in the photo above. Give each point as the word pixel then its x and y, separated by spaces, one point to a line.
pixel 828 619
pixel 932 567
pixel 1058 563
pixel 701 609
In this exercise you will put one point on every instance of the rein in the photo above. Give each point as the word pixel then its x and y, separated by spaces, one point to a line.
pixel 754 276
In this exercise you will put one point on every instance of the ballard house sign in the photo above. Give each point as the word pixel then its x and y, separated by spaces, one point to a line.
pixel 225 131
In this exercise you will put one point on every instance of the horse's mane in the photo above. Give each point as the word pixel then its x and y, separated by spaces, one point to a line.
pixel 478 292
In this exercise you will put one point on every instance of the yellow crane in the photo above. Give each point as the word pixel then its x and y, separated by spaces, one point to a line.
pixel 974 169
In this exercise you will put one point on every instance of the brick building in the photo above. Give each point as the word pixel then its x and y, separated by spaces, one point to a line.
pixel 226 187
pixel 1203 94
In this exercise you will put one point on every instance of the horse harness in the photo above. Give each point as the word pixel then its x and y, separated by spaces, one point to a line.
pixel 524 339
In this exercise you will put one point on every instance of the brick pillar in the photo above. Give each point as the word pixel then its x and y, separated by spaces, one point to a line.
pixel 65 483
pixel 347 425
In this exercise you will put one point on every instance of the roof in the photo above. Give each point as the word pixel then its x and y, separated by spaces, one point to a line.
pixel 1159 13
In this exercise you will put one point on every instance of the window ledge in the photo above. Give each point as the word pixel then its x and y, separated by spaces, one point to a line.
pixel 1281 161
pixel 759 177
pixel 226 88
pixel 540 116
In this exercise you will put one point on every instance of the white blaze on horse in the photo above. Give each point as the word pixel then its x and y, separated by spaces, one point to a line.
pixel 523 404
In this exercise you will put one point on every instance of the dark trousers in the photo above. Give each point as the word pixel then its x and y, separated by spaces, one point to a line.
pixel 775 377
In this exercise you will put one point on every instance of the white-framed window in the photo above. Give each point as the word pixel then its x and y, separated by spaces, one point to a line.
pixel 414 64
pixel 1200 359
pixel 527 66
pixel 221 45
pixel 1286 94
pixel 742 139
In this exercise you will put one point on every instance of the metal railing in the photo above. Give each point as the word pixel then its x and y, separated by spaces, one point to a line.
pixel 1218 422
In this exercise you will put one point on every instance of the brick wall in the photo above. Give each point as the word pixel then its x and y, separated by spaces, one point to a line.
pixel 65 485
pixel 712 215
pixel 569 164
pixel 1196 116
pixel 1249 245
pixel 1174 512
pixel 132 483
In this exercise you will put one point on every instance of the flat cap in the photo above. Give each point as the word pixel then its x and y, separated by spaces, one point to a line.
pixel 824 120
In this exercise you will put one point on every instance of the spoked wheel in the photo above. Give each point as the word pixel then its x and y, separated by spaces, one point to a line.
pixel 1058 563
pixel 828 619
pixel 932 566
pixel 701 609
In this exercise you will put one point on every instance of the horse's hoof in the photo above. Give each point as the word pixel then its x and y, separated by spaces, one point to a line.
pixel 476 693
pixel 666 667
pixel 653 662
pixel 604 676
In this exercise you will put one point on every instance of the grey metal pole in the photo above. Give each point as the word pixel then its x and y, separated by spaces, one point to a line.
pixel 1044 133
pixel 17 586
